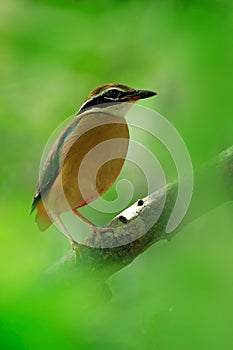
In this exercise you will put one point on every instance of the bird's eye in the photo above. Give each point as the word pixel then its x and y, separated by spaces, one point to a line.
pixel 114 93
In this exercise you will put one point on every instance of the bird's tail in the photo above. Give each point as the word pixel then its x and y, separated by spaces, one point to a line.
pixel 42 219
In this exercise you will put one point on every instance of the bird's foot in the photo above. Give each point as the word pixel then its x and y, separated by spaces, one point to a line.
pixel 97 234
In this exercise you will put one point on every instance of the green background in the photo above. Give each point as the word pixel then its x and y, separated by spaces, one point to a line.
pixel 176 295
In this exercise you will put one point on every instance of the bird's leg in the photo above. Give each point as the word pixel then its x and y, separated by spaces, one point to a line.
pixel 81 216
pixel 93 228
pixel 67 234
pixel 95 231
pixel 63 229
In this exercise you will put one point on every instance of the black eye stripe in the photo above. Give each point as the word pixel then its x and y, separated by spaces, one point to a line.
pixel 113 93
pixel 99 101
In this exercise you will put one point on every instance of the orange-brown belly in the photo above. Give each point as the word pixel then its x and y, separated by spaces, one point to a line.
pixel 91 163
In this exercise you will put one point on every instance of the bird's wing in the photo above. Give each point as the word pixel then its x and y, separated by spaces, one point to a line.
pixel 52 164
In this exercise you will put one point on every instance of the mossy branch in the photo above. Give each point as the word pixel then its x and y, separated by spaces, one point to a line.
pixel 213 186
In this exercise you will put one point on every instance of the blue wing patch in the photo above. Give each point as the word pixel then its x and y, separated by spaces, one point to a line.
pixel 52 164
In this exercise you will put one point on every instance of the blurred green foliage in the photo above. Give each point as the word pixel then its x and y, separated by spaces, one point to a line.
pixel 177 295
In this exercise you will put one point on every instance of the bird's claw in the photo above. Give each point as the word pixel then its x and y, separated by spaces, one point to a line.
pixel 98 231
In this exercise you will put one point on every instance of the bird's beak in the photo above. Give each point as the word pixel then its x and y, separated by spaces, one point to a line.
pixel 140 94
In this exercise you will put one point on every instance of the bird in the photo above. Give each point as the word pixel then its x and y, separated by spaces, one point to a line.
pixel 62 186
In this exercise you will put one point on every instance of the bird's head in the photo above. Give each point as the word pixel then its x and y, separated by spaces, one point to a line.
pixel 110 93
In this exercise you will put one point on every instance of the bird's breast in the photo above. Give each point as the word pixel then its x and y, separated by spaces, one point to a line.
pixel 91 160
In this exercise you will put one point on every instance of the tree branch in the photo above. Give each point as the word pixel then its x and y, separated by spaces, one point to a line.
pixel 213 186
